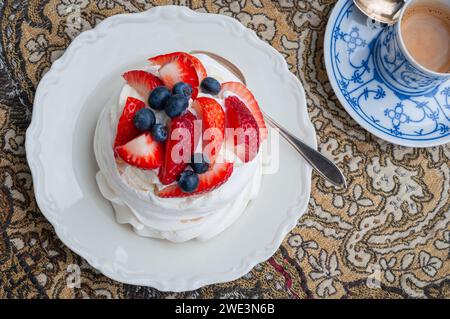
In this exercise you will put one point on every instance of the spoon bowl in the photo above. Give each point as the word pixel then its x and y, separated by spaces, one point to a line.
pixel 384 11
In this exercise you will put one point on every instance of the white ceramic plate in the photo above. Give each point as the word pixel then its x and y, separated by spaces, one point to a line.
pixel 60 152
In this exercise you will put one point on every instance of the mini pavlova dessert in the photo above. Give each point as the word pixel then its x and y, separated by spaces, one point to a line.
pixel 179 152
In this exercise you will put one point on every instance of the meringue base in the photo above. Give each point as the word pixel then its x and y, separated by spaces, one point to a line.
pixel 202 228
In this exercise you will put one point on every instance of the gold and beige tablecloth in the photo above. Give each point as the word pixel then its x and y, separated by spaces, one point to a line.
pixel 386 236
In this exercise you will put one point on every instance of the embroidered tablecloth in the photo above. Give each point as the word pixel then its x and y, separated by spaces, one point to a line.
pixel 387 235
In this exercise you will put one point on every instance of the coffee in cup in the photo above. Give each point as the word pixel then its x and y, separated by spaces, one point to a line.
pixel 425 29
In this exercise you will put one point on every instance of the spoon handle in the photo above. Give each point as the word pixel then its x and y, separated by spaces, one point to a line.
pixel 320 163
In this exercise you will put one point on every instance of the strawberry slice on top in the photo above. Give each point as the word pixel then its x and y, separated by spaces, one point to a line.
pixel 143 82
pixel 162 59
pixel 179 147
pixel 213 119
pixel 126 130
pixel 143 152
pixel 246 139
pixel 216 176
pixel 199 68
pixel 249 100
pixel 180 69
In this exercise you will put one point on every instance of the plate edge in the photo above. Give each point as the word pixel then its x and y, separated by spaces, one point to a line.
pixel 33 149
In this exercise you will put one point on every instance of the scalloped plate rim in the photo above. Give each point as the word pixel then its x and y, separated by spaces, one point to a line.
pixel 33 147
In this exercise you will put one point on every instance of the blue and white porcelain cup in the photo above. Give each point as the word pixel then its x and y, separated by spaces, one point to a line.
pixel 399 70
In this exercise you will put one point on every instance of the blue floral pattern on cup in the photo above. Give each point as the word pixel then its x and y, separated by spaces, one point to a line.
pixel 397 72
pixel 421 116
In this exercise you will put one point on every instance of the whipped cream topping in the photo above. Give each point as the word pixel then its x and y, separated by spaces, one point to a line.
pixel 131 190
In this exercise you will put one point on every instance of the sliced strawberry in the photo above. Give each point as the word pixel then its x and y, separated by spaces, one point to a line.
pixel 142 152
pixel 175 163
pixel 213 119
pixel 143 82
pixel 216 176
pixel 246 135
pixel 160 60
pixel 180 69
pixel 126 130
pixel 199 68
pixel 249 100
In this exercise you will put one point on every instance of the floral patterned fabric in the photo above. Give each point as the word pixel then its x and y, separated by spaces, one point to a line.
pixel 386 236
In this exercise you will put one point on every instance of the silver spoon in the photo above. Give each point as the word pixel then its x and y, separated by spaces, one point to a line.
pixel 385 11
pixel 320 163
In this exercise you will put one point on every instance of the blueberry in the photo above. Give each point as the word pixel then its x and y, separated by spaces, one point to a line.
pixel 199 163
pixel 159 132
pixel 176 105
pixel 158 98
pixel 144 119
pixel 183 89
pixel 210 85
pixel 188 181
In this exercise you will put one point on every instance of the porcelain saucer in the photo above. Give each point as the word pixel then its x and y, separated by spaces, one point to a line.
pixel 419 121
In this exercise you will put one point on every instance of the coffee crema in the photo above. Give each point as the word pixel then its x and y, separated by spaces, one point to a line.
pixel 425 31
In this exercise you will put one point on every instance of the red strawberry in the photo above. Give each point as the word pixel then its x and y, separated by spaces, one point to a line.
pixel 216 176
pixel 143 82
pixel 246 138
pixel 249 100
pixel 180 69
pixel 199 68
pixel 142 152
pixel 213 118
pixel 160 60
pixel 126 130
pixel 175 163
